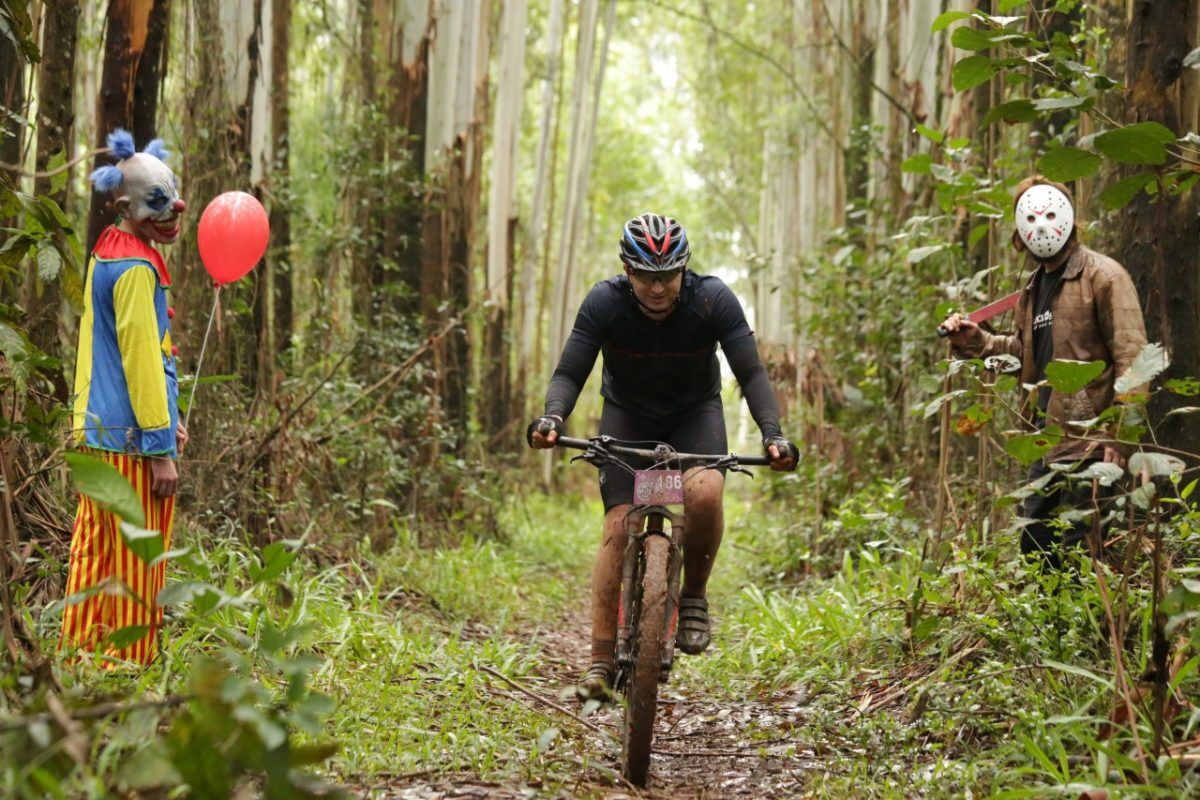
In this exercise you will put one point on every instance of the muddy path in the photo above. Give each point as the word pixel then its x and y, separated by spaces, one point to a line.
pixel 705 746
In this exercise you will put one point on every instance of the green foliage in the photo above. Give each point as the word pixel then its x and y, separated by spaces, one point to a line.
pixel 1069 377
pixel 1068 163
pixel 103 483
pixel 1068 80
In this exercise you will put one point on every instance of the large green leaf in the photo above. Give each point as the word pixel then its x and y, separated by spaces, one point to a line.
pixel 49 261
pixel 1011 112
pixel 919 254
pixel 1140 143
pixel 276 557
pixel 968 38
pixel 1069 377
pixel 1029 447
pixel 1155 464
pixel 971 71
pixel 1061 103
pixel 1151 362
pixel 944 20
pixel 1120 194
pixel 123 637
pixel 1068 163
pixel 102 482
pixel 145 544
pixel 920 162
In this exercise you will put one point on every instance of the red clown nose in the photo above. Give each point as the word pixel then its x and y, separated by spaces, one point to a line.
pixel 233 236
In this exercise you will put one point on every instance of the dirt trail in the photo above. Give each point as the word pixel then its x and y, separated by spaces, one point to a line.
pixel 704 746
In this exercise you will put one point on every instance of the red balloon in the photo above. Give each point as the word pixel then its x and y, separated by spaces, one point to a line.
pixel 233 236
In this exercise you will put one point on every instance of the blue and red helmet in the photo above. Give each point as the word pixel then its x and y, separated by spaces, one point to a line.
pixel 654 243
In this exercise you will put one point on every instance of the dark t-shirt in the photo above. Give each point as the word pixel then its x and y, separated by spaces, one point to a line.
pixel 661 369
pixel 1045 289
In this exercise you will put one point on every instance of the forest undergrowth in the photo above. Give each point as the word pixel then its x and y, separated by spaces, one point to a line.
pixel 385 670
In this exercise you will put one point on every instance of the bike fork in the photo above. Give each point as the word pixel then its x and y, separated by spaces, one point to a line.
pixel 674 570
pixel 629 602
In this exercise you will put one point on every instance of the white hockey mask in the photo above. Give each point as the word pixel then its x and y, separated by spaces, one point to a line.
pixel 1045 220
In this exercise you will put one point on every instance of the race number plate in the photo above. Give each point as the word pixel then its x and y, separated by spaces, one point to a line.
pixel 658 487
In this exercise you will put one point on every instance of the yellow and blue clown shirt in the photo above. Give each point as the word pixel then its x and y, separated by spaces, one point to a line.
pixel 125 378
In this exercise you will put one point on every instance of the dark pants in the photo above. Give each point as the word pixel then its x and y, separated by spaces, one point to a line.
pixel 1044 536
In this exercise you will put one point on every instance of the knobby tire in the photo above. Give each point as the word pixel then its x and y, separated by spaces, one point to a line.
pixel 641 690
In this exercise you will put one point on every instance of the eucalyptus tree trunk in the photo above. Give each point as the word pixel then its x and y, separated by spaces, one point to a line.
pixel 502 218
pixel 453 155
pixel 575 195
pixel 12 100
pixel 277 285
pixel 56 95
pixel 412 33
pixel 542 182
pixel 1159 235
pixel 134 44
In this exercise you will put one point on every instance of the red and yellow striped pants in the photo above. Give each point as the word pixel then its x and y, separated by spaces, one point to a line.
pixel 109 587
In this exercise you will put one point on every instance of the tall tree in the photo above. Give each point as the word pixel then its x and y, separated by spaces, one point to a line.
pixel 502 216
pixel 529 315
pixel 133 50
pixel 1159 234
pixel 56 114
pixel 278 289
pixel 577 167
pixel 453 155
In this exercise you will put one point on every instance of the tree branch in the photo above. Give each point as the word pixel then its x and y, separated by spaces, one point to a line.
pixel 817 115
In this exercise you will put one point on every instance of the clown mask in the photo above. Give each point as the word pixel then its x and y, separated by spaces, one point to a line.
pixel 1044 219
pixel 144 187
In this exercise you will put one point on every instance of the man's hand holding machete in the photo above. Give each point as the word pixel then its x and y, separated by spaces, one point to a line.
pixel 962 328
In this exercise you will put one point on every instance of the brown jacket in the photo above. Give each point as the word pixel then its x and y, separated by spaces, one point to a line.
pixel 1097 317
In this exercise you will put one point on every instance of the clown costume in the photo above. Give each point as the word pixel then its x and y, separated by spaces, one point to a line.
pixel 125 411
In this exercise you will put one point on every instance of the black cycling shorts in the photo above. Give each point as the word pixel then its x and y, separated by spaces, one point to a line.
pixel 699 430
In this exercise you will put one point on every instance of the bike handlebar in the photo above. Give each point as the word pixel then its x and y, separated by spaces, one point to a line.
pixel 599 443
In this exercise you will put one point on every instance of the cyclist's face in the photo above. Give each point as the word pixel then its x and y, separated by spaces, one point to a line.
pixel 656 290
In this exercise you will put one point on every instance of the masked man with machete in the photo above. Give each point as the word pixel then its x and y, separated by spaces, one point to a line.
pixel 1077 305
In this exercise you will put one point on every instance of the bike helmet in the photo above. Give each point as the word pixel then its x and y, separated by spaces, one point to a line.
pixel 654 243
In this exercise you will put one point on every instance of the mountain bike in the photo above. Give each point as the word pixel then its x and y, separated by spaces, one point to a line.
pixel 648 610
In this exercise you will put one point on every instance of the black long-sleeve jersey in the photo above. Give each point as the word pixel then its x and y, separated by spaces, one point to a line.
pixel 660 369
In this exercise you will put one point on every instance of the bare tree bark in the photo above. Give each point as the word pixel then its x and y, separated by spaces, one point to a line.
pixel 502 218
pixel 56 96
pixel 542 183
pixel 453 157
pixel 577 166
pixel 278 281
pixel 127 92
pixel 1159 235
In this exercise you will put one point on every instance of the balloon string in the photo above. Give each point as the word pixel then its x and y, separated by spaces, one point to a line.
pixel 203 345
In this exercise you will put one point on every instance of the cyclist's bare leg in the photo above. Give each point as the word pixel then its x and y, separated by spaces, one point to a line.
pixel 606 585
pixel 703 526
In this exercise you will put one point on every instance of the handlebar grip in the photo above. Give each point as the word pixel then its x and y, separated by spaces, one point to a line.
pixel 574 444
pixel 942 332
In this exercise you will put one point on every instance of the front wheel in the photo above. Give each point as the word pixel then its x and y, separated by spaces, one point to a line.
pixel 641 689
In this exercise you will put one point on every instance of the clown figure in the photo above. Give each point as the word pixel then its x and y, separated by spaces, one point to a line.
pixel 125 411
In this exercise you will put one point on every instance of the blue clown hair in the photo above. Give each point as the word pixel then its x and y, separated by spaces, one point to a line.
pixel 156 149
pixel 120 141
pixel 107 178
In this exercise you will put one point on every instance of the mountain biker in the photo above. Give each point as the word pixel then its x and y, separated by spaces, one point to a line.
pixel 658 325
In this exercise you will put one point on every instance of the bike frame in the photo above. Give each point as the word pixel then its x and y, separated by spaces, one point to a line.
pixel 645 646
pixel 645 520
